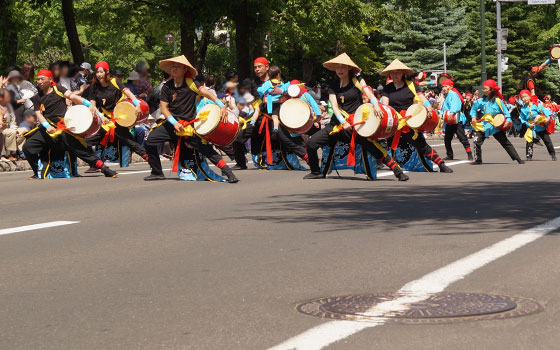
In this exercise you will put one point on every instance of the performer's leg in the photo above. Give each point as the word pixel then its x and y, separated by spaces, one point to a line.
pixel 506 144
pixel 377 150
pixel 209 152
pixel 529 151
pixel 450 130
pixel 158 135
pixel 319 139
pixel 239 149
pixel 33 146
pixel 464 140
pixel 76 148
pixel 127 139
pixel 289 144
pixel 548 143
pixel 423 148
pixel 478 141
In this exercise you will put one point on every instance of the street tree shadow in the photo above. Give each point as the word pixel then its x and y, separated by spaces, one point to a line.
pixel 500 206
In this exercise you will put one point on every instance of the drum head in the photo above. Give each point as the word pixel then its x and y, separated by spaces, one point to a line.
pixel 372 122
pixel 417 115
pixel 555 52
pixel 294 113
pixel 78 119
pixel 499 120
pixel 294 90
pixel 125 114
pixel 213 117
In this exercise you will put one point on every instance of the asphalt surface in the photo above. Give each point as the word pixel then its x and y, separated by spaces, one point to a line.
pixel 181 265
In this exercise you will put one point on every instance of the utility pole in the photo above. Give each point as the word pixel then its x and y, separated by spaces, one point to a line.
pixel 483 40
pixel 499 40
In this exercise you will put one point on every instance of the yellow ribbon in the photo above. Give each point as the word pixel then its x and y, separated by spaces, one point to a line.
pixel 365 114
pixel 109 125
pixel 529 135
pixel 479 125
pixel 256 103
pixel 188 131
pixel 339 128
pixel 540 120
pixel 244 122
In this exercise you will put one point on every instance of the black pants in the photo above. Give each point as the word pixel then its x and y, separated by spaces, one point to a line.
pixel 40 141
pixel 421 146
pixel 239 149
pixel 125 138
pixel 450 131
pixel 502 139
pixel 291 144
pixel 166 133
pixel 323 138
pixel 546 139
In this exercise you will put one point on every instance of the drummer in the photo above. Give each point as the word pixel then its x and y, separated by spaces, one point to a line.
pixel 345 96
pixel 178 105
pixel 453 104
pixel 401 94
pixel 105 93
pixel 482 112
pixel 50 107
pixel 528 113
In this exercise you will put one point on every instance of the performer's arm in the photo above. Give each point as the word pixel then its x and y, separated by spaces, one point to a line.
pixel 44 123
pixel 369 93
pixel 337 113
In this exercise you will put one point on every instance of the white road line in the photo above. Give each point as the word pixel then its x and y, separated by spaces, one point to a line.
pixel 327 333
pixel 7 231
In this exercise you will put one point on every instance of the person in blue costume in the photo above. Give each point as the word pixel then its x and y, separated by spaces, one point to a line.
pixel 483 112
pixel 453 104
pixel 535 118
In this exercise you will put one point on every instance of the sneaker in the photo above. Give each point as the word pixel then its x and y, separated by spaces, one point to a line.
pixel 92 170
pixel 154 177
pixel 239 167
pixel 403 177
pixel 445 169
pixel 448 158
pixel 313 176
pixel 231 178
pixel 520 161
pixel 553 156
pixel 109 173
pixel 469 155
pixel 76 175
pixel 476 162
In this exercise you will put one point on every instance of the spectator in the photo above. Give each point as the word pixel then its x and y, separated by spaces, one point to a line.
pixel 231 91
pixel 325 92
pixel 28 76
pixel 132 83
pixel 11 136
pixel 144 87
pixel 17 99
pixel 63 72
pixel 210 83
pixel 118 75
pixel 232 76
pixel 73 75
pixel 157 91
pixel 29 121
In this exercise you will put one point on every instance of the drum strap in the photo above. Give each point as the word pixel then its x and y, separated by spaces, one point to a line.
pixel 114 82
pixel 191 84
pixel 412 88
pixel 58 92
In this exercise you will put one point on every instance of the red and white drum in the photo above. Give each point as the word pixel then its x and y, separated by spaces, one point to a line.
pixel 295 114
pixel 373 126
pixel 125 113
pixel 501 122
pixel 294 90
pixel 212 129
pixel 450 118
pixel 418 117
pixel 80 122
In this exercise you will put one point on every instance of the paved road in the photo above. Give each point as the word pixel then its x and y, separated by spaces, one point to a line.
pixel 176 265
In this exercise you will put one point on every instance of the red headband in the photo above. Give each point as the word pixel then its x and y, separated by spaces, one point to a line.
pixel 492 84
pixel 261 60
pixel 45 73
pixel 524 92
pixel 102 64
pixel 468 94
pixel 447 82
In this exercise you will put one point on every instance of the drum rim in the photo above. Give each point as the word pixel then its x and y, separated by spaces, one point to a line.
pixel 200 121
pixel 372 111
pixel 552 48
pixel 303 103
pixel 129 103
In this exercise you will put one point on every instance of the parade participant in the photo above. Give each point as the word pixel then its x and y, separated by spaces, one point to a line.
pixel 50 107
pixel 514 112
pixel 177 103
pixel 453 104
pixel 553 107
pixel 531 114
pixel 482 113
pixel 261 67
pixel 105 92
pixel 528 82
pixel 345 96
pixel 401 94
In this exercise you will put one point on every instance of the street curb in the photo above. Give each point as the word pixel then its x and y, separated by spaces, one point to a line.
pixel 23 165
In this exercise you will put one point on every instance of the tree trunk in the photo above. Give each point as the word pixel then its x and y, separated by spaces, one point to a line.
pixel 242 34
pixel 307 67
pixel 71 31
pixel 187 36
pixel 8 38
pixel 203 48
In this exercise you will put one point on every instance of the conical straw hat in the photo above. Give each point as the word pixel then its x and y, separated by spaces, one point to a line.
pixel 166 64
pixel 342 59
pixel 396 65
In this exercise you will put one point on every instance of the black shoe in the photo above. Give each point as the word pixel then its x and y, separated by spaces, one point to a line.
pixel 469 155
pixel 231 178
pixel 34 177
pixel 92 170
pixel 154 177
pixel 529 159
pixel 313 176
pixel 239 167
pixel 109 172
pixel 553 156
pixel 448 158
pixel 445 169
pixel 76 175
pixel 402 177
pixel 476 162
pixel 520 161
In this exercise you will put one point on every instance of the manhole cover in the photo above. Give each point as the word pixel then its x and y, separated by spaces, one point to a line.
pixel 438 308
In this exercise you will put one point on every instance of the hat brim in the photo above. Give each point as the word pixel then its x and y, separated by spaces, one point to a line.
pixel 387 73
pixel 332 66
pixel 166 66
